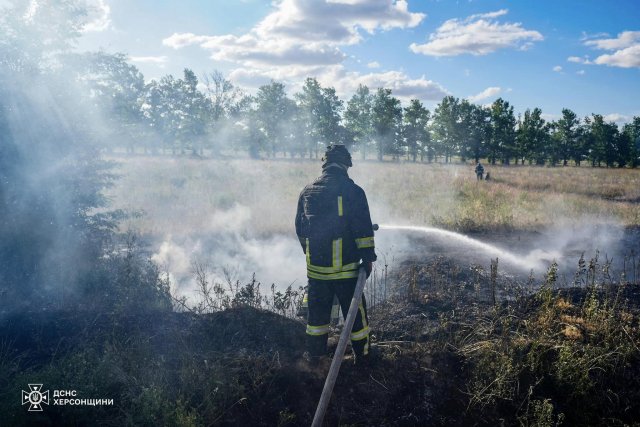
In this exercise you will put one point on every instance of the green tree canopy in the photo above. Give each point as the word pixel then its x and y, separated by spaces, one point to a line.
pixel 386 121
pixel 417 139
pixel 503 132
pixel 358 117
pixel 532 139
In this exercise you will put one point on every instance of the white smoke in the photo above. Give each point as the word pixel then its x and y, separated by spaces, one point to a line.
pixel 228 253
pixel 231 220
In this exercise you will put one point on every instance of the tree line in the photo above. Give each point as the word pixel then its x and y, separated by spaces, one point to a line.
pixel 59 243
pixel 191 115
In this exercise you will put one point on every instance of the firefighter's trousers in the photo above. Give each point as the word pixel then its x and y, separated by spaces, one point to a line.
pixel 321 294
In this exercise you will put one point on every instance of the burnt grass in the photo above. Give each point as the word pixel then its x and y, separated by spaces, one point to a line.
pixel 444 354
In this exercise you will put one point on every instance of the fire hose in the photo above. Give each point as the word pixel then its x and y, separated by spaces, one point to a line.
pixel 325 397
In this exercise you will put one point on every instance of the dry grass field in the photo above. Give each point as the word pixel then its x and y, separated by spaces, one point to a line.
pixel 237 214
pixel 183 195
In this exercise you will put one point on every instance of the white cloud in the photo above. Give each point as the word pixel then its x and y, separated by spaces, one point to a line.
pixel 580 72
pixel 345 82
pixel 249 51
pixel 250 78
pixel 625 58
pixel 617 117
pixel 335 21
pixel 303 33
pixel 98 16
pixel 557 68
pixel 625 39
pixel 576 59
pixel 587 36
pixel 150 59
pixel 550 117
pixel 180 40
pixel 489 15
pixel 401 85
pixel 525 46
pixel 477 35
pixel 489 92
pixel 625 50
pixel 308 25
pixel 303 38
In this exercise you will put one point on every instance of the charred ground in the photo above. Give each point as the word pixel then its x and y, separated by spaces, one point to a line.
pixel 446 355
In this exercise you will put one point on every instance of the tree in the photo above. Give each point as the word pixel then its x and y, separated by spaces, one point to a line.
pixel 386 121
pixel 33 41
pixel 415 133
pixel 502 142
pixel 51 176
pixel 632 130
pixel 585 139
pixel 602 138
pixel 161 112
pixel 196 113
pixel 116 89
pixel 357 118
pixel 472 130
pixel 446 127
pixel 228 108
pixel 321 109
pixel 272 110
pixel 624 148
pixel 329 119
pixel 255 136
pixel 567 133
pixel 310 104
pixel 177 112
pixel 226 99
pixel 296 138
pixel 532 139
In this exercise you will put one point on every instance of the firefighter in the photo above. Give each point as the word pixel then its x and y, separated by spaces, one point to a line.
pixel 479 171
pixel 334 227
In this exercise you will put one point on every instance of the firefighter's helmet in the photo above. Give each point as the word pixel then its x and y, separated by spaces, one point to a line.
pixel 337 153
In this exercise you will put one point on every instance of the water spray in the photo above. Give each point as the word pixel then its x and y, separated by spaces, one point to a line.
pixel 534 260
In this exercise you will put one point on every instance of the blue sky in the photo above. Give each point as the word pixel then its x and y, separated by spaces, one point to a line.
pixel 583 55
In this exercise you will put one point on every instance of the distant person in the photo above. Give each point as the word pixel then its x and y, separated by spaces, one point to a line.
pixel 479 171
pixel 334 227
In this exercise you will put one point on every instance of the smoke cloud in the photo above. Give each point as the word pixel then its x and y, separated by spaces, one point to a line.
pixel 277 260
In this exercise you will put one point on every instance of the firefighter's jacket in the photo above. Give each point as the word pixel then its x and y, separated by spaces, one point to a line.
pixel 334 226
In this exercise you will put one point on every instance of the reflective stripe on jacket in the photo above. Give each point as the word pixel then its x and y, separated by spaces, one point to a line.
pixel 334 226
